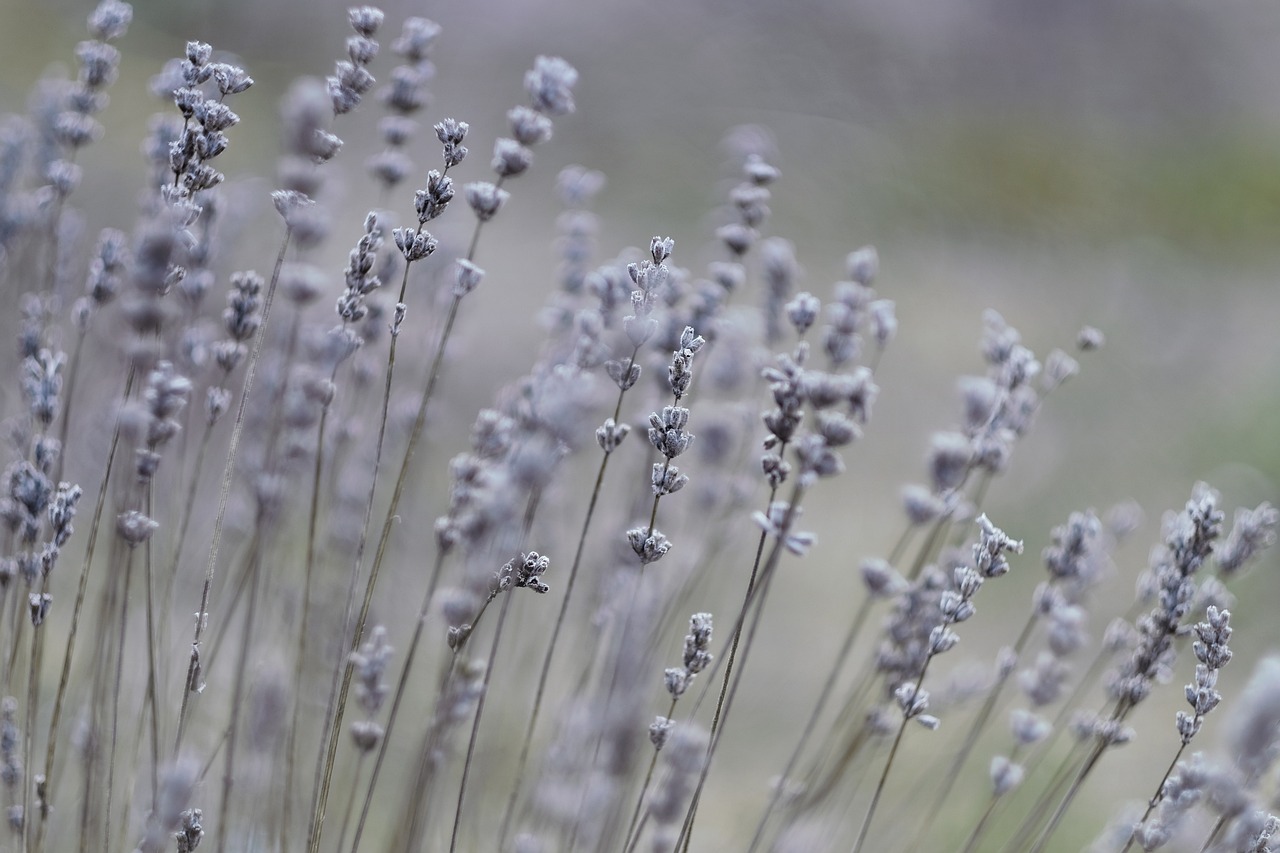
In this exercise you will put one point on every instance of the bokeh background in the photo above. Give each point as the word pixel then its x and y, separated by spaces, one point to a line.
pixel 1110 162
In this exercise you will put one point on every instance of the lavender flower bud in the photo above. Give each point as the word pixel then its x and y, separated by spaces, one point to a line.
pixel 485 199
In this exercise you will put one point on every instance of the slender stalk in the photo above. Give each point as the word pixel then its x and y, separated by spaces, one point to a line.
pixel 33 702
pixel 884 776
pixel 632 837
pixel 1058 726
pixel 237 692
pixel 351 801
pixel 639 831
pixel 737 634
pixel 238 581
pixel 65 678
pixel 68 398
pixel 153 673
pixel 192 682
pixel 971 842
pixel 725 691
pixel 115 692
pixel 819 786
pixel 976 728
pixel 770 566
pixel 1155 798
pixel 299 664
pixel 357 634
pixel 846 647
pixel 1218 826
pixel 545 671
pixel 993 800
pixel 1116 715
pixel 89 798
pixel 1023 837
pixel 411 827
pixel 893 750
pixel 402 478
pixel 475 724
pixel 16 632
pixel 1070 796
pixel 188 510
pixel 614 668
pixel 747 598
pixel 401 686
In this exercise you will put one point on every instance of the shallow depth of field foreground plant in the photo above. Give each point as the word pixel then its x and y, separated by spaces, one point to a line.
pixel 225 623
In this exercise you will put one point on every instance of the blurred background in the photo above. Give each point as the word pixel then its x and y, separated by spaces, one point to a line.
pixel 1104 162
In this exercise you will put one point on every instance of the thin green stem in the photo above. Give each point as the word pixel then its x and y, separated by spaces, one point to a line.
pixel 351 800
pixel 33 698
pixel 875 797
pixel 188 511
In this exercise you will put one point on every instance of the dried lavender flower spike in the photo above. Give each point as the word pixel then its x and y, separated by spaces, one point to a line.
pixel 550 86
pixel 1252 531
pixel 485 199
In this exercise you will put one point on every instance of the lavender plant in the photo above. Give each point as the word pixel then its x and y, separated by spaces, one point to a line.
pixel 285 656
